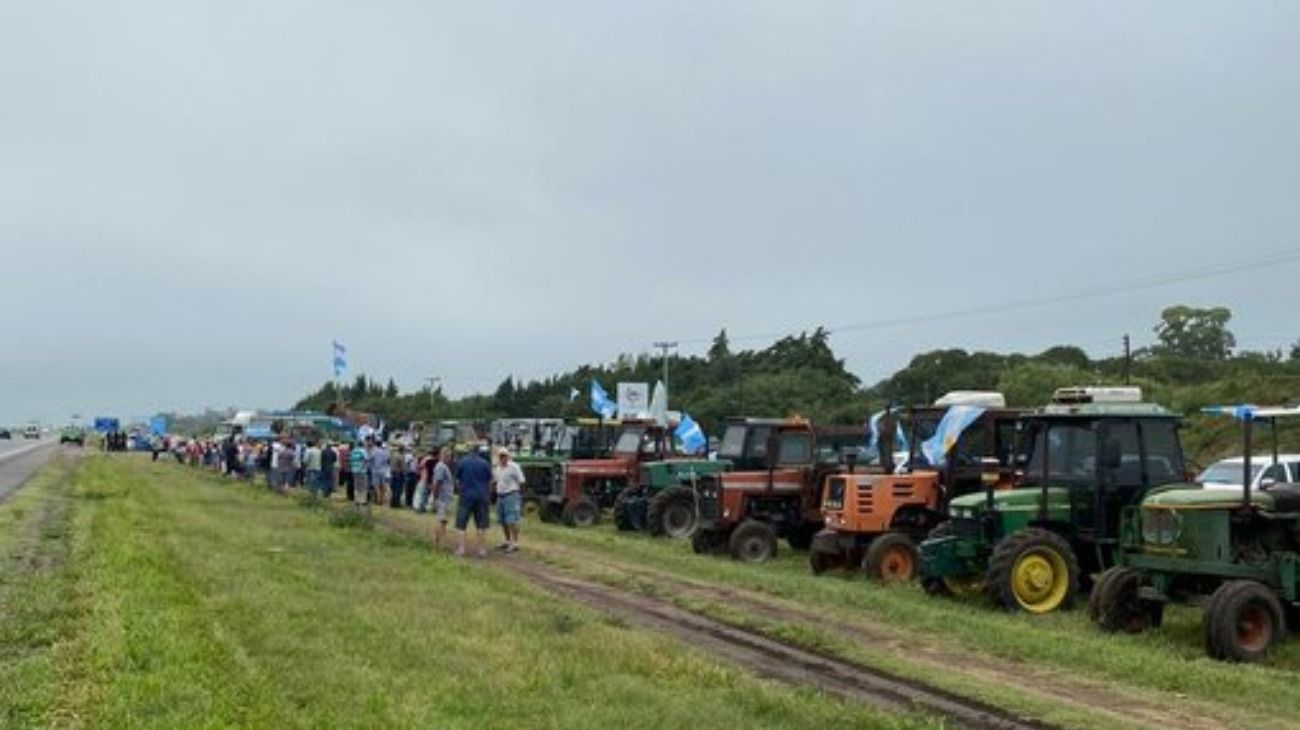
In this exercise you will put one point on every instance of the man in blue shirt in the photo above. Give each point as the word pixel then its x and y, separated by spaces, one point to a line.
pixel 474 475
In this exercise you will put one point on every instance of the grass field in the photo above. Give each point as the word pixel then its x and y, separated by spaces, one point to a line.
pixel 135 595
pixel 1167 666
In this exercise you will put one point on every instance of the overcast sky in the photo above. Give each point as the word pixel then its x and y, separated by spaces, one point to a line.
pixel 197 197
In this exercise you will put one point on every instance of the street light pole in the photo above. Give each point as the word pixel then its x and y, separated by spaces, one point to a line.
pixel 433 382
pixel 665 346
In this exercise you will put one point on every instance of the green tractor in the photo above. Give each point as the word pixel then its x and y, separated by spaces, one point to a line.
pixel 1229 549
pixel 1080 461
pixel 543 455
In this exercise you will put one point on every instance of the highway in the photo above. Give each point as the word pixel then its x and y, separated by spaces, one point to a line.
pixel 20 458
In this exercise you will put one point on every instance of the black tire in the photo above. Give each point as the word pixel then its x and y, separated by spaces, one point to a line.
pixel 1242 621
pixel 1115 605
pixel 626 517
pixel 550 512
pixel 820 562
pixel 892 558
pixel 753 542
pixel 708 542
pixel 582 512
pixel 672 513
pixel 1055 569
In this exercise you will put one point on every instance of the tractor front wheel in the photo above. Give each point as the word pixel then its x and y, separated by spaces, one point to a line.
pixel 1034 570
pixel 753 542
pixel 1115 604
pixel 891 558
pixel 707 542
pixel 582 512
pixel 820 562
pixel 550 512
pixel 672 513
pixel 1243 620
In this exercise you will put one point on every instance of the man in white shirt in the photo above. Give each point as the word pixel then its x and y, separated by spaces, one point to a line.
pixel 508 481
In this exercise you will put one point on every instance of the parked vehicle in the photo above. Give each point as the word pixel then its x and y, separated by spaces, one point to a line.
pixel 586 438
pixel 6 434
pixel 1265 471
pixel 746 511
pixel 1231 552
pixel 73 435
pixel 32 432
pixel 1082 459
pixel 876 521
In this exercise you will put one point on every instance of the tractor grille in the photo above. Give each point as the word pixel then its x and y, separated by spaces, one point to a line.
pixel 966 528
pixel 903 490
pixel 866 502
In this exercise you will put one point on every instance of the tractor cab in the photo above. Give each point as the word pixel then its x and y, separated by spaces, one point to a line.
pixel 747 510
pixel 876 520
pixel 1080 460
pixel 1233 552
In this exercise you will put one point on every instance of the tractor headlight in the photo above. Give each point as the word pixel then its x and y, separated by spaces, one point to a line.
pixel 1161 526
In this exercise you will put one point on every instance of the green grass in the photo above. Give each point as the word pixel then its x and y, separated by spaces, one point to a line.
pixel 149 596
pixel 1169 663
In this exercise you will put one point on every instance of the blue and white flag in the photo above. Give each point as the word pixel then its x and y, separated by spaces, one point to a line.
pixel 573 394
pixel 600 402
pixel 1243 412
pixel 691 435
pixel 873 436
pixel 950 428
pixel 340 359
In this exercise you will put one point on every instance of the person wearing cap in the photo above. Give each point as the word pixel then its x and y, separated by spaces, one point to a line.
pixel 508 481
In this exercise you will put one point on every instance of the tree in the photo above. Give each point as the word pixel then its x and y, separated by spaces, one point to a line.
pixel 721 347
pixel 390 390
pixel 1195 333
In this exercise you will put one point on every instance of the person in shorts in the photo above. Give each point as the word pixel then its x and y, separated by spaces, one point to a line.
pixel 474 475
pixel 508 481
pixel 443 490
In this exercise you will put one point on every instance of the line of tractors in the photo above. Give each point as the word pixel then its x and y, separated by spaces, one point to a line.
pixel 1029 507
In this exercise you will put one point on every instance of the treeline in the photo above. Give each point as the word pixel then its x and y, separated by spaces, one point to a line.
pixel 1193 364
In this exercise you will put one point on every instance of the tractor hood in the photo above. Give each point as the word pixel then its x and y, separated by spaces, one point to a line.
pixel 1007 500
pixel 599 467
pixel 1194 496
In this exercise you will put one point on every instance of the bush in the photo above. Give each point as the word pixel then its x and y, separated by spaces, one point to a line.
pixel 353 518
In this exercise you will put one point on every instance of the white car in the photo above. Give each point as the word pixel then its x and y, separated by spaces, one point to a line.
pixel 1227 473
pixel 32 432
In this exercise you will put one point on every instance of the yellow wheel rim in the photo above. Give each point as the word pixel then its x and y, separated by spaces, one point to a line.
pixel 1040 580
pixel 964 587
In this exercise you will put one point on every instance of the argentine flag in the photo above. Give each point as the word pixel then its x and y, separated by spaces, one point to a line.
pixel 340 359
pixel 1244 412
pixel 873 436
pixel 950 428
pixel 600 402
pixel 691 435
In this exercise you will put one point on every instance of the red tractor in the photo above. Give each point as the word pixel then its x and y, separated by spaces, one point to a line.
pixel 746 512
pixel 588 486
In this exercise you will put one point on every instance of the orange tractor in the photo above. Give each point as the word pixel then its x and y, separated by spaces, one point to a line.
pixel 876 521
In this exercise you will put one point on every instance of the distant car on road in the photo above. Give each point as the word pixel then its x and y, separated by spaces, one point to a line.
pixel 73 435
pixel 32 432
pixel 6 434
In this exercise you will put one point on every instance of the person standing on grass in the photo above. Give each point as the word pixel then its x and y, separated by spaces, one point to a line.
pixel 345 469
pixel 411 464
pixel 329 462
pixel 311 462
pixel 424 489
pixel 508 481
pixel 474 476
pixel 381 476
pixel 444 490
pixel 360 466
pixel 285 465
pixel 397 472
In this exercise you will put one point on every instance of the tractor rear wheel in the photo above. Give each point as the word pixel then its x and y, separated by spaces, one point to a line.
pixel 753 542
pixel 672 513
pixel 628 516
pixel 1116 606
pixel 550 512
pixel 891 558
pixel 1243 620
pixel 1034 570
pixel 582 512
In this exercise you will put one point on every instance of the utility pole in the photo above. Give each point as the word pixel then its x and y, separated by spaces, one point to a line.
pixel 665 346
pixel 433 382
pixel 1128 359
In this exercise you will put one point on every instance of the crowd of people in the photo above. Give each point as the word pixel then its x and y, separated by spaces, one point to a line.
pixel 369 472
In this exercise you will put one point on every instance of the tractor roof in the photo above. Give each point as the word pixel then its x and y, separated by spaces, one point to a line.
pixel 1102 410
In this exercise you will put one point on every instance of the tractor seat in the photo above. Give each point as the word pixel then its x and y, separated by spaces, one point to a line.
pixel 1286 496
